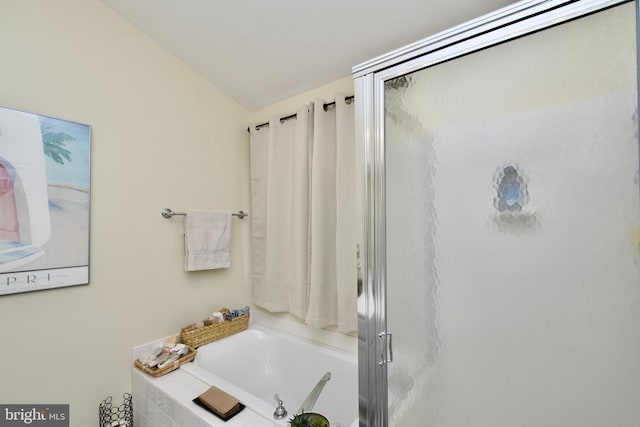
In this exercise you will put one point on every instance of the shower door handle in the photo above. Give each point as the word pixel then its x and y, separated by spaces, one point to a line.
pixel 387 348
pixel 359 282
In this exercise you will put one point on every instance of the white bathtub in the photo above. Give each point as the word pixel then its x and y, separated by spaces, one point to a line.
pixel 255 364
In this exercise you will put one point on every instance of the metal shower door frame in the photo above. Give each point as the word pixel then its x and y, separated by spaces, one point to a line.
pixel 511 22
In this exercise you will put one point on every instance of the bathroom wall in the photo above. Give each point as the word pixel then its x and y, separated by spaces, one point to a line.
pixel 290 105
pixel 162 136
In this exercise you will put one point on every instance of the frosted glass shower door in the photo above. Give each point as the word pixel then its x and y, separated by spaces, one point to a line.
pixel 513 232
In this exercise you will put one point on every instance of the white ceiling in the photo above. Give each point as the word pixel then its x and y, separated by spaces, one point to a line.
pixel 262 51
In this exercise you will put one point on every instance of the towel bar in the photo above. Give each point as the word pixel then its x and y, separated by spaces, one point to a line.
pixel 168 213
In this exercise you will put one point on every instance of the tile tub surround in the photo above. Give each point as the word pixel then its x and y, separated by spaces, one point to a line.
pixel 166 401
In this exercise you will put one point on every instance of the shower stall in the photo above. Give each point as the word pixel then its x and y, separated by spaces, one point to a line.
pixel 500 246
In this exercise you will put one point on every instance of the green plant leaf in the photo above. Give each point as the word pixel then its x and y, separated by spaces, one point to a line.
pixel 54 145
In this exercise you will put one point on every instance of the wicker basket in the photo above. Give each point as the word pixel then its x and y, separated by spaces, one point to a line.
pixel 156 372
pixel 216 331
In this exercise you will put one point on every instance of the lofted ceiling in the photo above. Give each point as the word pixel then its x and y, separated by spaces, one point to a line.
pixel 262 51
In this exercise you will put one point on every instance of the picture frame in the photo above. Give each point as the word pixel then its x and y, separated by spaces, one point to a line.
pixel 45 202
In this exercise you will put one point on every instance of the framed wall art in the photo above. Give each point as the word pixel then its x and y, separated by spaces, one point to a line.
pixel 45 195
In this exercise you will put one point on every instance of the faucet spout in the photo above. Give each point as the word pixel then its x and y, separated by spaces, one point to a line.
pixel 310 401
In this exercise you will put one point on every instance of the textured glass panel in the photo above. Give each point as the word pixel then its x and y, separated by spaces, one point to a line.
pixel 513 289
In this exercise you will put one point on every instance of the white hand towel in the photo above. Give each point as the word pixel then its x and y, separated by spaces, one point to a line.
pixel 206 240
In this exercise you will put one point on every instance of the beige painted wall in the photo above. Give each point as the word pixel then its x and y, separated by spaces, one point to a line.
pixel 162 137
pixel 290 105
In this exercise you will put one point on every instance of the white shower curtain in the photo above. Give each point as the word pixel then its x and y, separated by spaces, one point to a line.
pixel 303 227
pixel 280 221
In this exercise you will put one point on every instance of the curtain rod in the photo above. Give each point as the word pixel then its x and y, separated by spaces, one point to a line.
pixel 294 115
